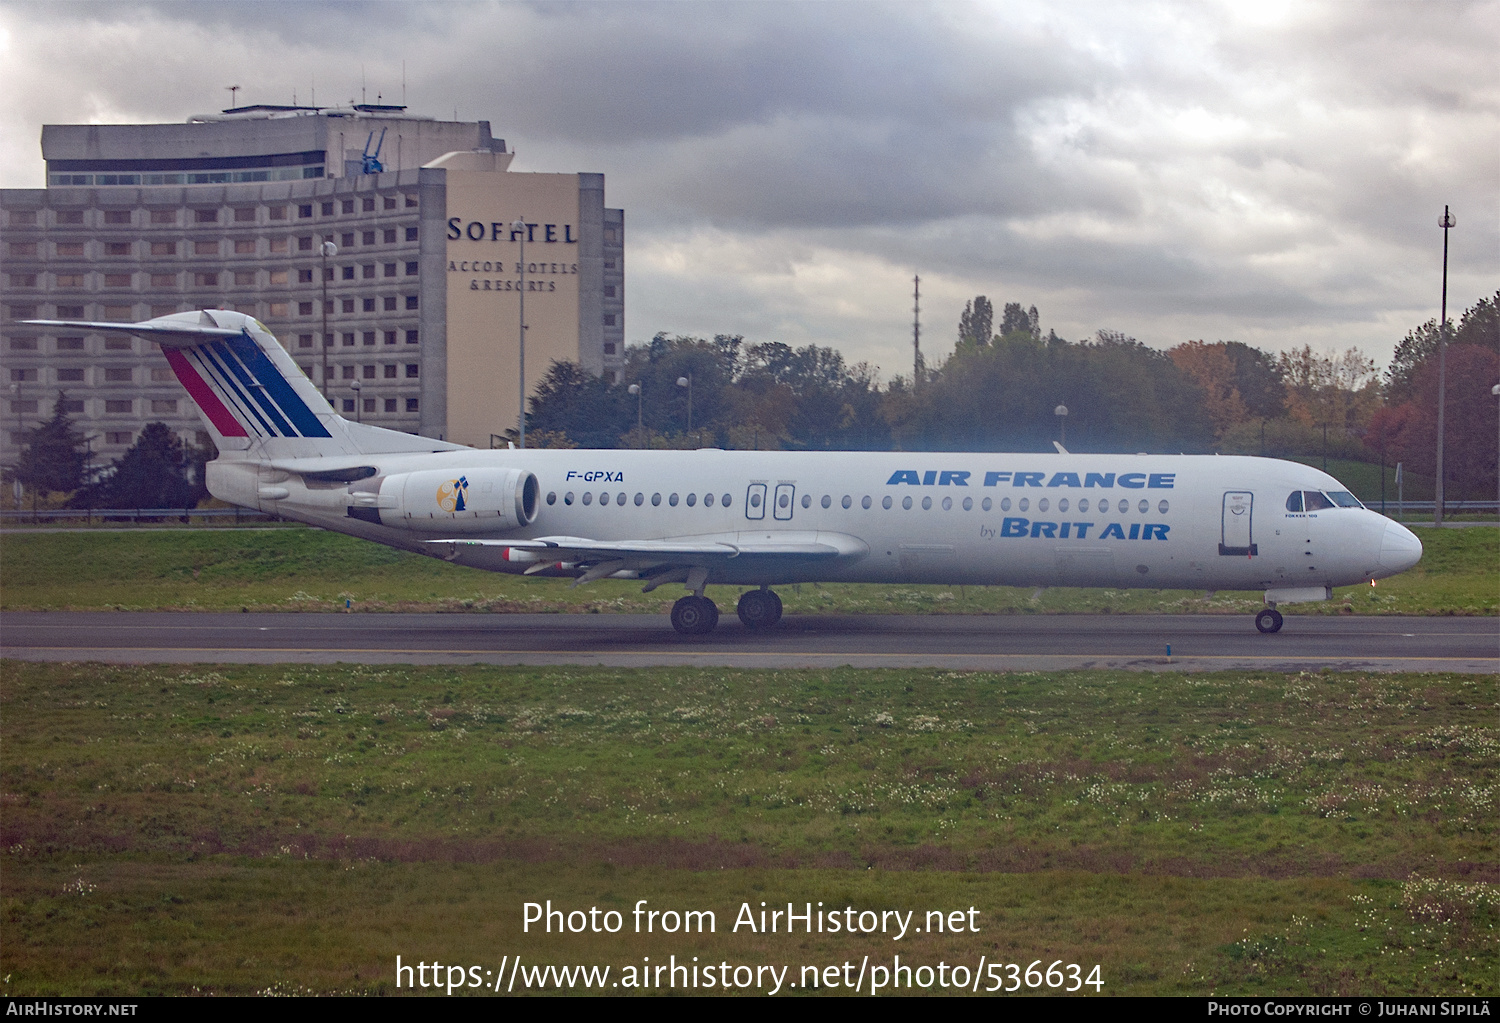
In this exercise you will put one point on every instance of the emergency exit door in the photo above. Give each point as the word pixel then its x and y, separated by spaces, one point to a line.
pixel 786 494
pixel 1236 533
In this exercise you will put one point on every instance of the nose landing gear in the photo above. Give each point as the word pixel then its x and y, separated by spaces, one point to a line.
pixel 759 609
pixel 1269 620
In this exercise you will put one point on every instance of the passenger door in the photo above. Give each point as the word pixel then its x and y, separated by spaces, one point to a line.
pixel 1236 532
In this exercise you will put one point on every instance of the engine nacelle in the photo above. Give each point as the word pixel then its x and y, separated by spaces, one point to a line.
pixel 448 500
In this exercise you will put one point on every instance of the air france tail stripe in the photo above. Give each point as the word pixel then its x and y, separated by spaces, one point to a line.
pixel 277 388
pixel 253 387
pixel 222 419
pixel 213 364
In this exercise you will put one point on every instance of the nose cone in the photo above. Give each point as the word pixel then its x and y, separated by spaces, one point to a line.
pixel 1399 548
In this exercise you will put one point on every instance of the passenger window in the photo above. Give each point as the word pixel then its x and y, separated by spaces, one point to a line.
pixel 672 500
pixel 827 501
pixel 725 500
pixel 1083 505
pixel 807 500
pixel 1313 501
pixel 568 497
pixel 1004 504
pixel 1144 506
pixel 927 504
pixel 865 504
pixel 640 499
pixel 847 501
pixel 1024 504
pixel 1062 505
pixel 620 500
pixel 603 498
pixel 906 503
pixel 755 500
pixel 947 504
pixel 988 504
pixel 655 500
pixel 692 499
pixel 1041 505
pixel 968 504
pixel 588 498
pixel 1294 501
pixel 1162 507
pixel 1124 506
pixel 552 497
pixel 886 504
pixel 708 500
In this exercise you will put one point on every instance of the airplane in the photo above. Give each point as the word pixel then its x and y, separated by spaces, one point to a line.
pixel 758 519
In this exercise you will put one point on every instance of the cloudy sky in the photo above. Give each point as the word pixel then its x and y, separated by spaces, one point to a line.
pixel 1263 171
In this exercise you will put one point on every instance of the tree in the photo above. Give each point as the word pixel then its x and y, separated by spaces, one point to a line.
pixel 1015 321
pixel 976 325
pixel 1214 371
pixel 1257 377
pixel 1341 392
pixel 54 455
pixel 156 472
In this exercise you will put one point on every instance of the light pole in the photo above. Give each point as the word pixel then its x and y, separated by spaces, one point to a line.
pixel 1061 412
pixel 1446 223
pixel 640 398
pixel 687 382
pixel 520 227
pixel 327 250
pixel 359 404
pixel 1496 391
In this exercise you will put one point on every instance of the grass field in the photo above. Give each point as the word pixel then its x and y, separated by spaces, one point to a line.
pixel 294 828
pixel 307 570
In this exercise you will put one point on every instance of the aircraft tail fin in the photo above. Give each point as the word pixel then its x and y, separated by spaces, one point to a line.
pixel 254 400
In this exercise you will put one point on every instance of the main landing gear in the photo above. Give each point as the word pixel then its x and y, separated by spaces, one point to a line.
pixel 696 615
pixel 1268 620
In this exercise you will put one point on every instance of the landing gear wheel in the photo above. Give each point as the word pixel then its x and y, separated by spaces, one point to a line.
pixel 695 616
pixel 1268 620
pixel 759 609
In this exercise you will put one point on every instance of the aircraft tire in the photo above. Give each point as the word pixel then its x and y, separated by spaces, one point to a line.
pixel 695 616
pixel 759 609
pixel 1268 620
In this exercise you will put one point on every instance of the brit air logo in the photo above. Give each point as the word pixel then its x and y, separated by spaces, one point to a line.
pixel 450 496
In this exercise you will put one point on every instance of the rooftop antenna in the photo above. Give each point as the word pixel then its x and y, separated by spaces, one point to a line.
pixel 361 84
pixel 233 95
pixel 403 83
pixel 315 90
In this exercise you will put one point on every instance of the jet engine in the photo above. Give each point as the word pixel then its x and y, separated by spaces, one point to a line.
pixel 448 500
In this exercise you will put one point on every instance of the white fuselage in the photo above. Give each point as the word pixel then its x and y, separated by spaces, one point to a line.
pixel 1181 521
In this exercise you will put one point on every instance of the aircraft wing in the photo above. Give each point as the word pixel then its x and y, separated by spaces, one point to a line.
pixel 599 558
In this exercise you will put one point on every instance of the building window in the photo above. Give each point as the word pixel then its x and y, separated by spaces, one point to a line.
pixel 411 301
pixel 412 370
pixel 23 375
pixel 70 216
pixel 390 235
pixel 328 273
pixel 118 376
pixel 244 278
pixel 327 340
pixel 68 280
pixel 327 209
pixel 348 305
pixel 163 280
pixel 22 248
pixel 206 280
pixel 390 372
pixel 609 319
pixel 609 348
pixel 117 280
pixel 411 202
pixel 348 404
pixel 168 405
pixel 23 280
pixel 368 305
pixel 24 405
pixel 116 408
pixel 368 271
pixel 244 215
pixel 305 340
pixel 163 248
pixel 276 213
pixel 369 337
pixel 390 303
pixel 348 273
pixel 349 339
pixel 205 248
pixel 70 376
pixel 70 248
pixel 369 404
pixel 390 404
pixel 163 216
pixel 27 344
pixel 244 246
pixel 609 291
pixel 390 269
pixel 304 309
pixel 369 372
pixel 390 337
pixel 278 310
pixel 304 211
pixel 304 276
pixel 611 235
pixel 65 344
pixel 278 277
pixel 118 437
pixel 368 204
pixel 162 310
pixel 348 373
pixel 205 216
pixel 411 234
pixel 411 268
pixel 117 216
pixel 368 238
pixel 348 205
pixel 118 344
pixel 66 312
pixel 304 244
pixel 411 405
pixel 411 337
pixel 390 202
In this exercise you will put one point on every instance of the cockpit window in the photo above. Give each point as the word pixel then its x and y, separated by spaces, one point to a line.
pixel 1313 500
pixel 1344 499
pixel 1294 501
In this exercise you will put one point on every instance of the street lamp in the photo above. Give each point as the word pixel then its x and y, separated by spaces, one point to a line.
pixel 359 405
pixel 1061 412
pixel 1445 223
pixel 520 226
pixel 327 250
pixel 687 382
pixel 640 399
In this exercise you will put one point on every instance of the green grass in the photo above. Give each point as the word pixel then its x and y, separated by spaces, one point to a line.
pixel 247 828
pixel 299 569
